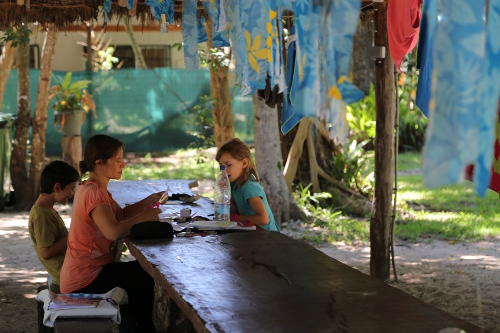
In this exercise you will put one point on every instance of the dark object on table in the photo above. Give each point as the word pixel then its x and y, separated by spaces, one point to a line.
pixel 151 229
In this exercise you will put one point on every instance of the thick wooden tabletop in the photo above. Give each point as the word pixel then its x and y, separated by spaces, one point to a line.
pixel 261 281
pixel 130 191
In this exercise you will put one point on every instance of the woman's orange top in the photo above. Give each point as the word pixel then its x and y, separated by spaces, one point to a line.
pixel 88 250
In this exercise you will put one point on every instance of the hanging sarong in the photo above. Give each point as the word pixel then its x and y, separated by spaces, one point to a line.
pixel 190 35
pixel 425 58
pixel 403 21
pixel 453 132
pixel 489 99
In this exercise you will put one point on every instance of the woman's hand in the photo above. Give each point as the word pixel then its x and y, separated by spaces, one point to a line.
pixel 150 214
pixel 155 197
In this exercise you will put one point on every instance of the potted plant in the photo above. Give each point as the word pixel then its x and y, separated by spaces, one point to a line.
pixel 73 102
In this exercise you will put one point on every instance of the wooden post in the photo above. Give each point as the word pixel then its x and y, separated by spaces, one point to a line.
pixel 384 148
pixel 72 150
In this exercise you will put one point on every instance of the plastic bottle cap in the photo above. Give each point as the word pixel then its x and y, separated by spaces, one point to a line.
pixel 222 167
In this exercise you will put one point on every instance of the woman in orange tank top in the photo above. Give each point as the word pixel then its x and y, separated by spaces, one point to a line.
pixel 97 221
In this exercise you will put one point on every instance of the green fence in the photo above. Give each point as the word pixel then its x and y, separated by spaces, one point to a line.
pixel 136 107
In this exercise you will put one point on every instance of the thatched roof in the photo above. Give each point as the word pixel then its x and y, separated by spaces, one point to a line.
pixel 58 12
pixel 67 13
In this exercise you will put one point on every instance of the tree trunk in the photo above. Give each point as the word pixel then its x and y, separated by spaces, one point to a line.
pixel 384 148
pixel 361 64
pixel 139 58
pixel 6 62
pixel 269 161
pixel 219 89
pixel 41 110
pixel 18 171
pixel 72 150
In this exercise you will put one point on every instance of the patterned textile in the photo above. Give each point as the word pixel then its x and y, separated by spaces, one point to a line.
pixel 159 7
pixel 107 9
pixel 288 116
pixel 255 15
pixel 324 78
pixel 403 21
pixel 216 12
pixel 220 39
pixel 453 132
pixel 489 99
pixel 235 33
pixel 494 183
pixel 163 11
pixel 190 35
pixel 130 4
pixel 425 59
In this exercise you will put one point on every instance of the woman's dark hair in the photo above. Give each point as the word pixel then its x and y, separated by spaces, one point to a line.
pixel 57 172
pixel 99 147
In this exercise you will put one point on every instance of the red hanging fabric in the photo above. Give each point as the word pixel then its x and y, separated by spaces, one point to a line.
pixel 495 177
pixel 403 22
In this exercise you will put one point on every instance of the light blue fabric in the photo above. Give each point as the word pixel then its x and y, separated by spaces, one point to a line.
pixel 324 80
pixel 130 4
pixel 255 15
pixel 161 7
pixel 307 99
pixel 288 116
pixel 489 100
pixel 216 12
pixel 219 39
pixel 190 35
pixel 425 58
pixel 251 189
pixel 235 33
pixel 453 133
pixel 107 9
pixel 275 62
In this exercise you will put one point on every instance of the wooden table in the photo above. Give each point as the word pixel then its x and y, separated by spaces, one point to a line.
pixel 263 281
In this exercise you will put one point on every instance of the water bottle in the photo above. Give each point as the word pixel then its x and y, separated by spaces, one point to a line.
pixel 222 196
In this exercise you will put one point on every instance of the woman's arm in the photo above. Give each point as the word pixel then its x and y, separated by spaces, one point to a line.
pixel 260 217
pixel 130 211
pixel 113 229
pixel 55 249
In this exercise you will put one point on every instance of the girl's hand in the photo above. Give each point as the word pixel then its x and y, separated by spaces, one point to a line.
pixel 151 214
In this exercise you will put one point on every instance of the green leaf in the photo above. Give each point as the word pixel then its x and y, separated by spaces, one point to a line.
pixel 66 81
pixel 79 85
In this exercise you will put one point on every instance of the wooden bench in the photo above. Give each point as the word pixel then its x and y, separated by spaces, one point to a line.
pixel 261 281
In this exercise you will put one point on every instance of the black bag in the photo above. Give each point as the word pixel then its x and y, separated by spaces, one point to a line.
pixel 151 230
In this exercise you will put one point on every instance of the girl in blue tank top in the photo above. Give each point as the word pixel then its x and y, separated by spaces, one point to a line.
pixel 248 200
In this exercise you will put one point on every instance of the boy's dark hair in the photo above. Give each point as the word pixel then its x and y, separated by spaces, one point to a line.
pixel 57 172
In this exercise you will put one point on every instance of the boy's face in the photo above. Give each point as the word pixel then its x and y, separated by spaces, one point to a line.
pixel 62 195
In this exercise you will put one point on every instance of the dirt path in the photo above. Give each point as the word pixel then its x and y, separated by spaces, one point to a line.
pixel 462 279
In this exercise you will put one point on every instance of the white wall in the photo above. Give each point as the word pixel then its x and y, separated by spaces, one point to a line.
pixel 68 54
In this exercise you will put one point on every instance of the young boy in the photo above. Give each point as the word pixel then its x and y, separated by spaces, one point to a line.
pixel 47 229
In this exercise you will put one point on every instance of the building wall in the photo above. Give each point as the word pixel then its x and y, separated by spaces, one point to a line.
pixel 68 54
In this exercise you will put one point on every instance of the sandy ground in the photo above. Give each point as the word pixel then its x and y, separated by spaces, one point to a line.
pixel 462 279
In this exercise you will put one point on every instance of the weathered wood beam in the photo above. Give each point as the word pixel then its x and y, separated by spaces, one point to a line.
pixel 384 149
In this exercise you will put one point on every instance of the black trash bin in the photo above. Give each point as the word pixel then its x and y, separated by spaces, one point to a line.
pixel 7 122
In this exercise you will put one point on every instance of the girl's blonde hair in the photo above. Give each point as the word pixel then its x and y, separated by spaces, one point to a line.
pixel 238 150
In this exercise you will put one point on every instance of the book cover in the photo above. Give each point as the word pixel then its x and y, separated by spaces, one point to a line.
pixel 73 302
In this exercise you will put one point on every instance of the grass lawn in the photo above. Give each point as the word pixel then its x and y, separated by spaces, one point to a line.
pixel 453 212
